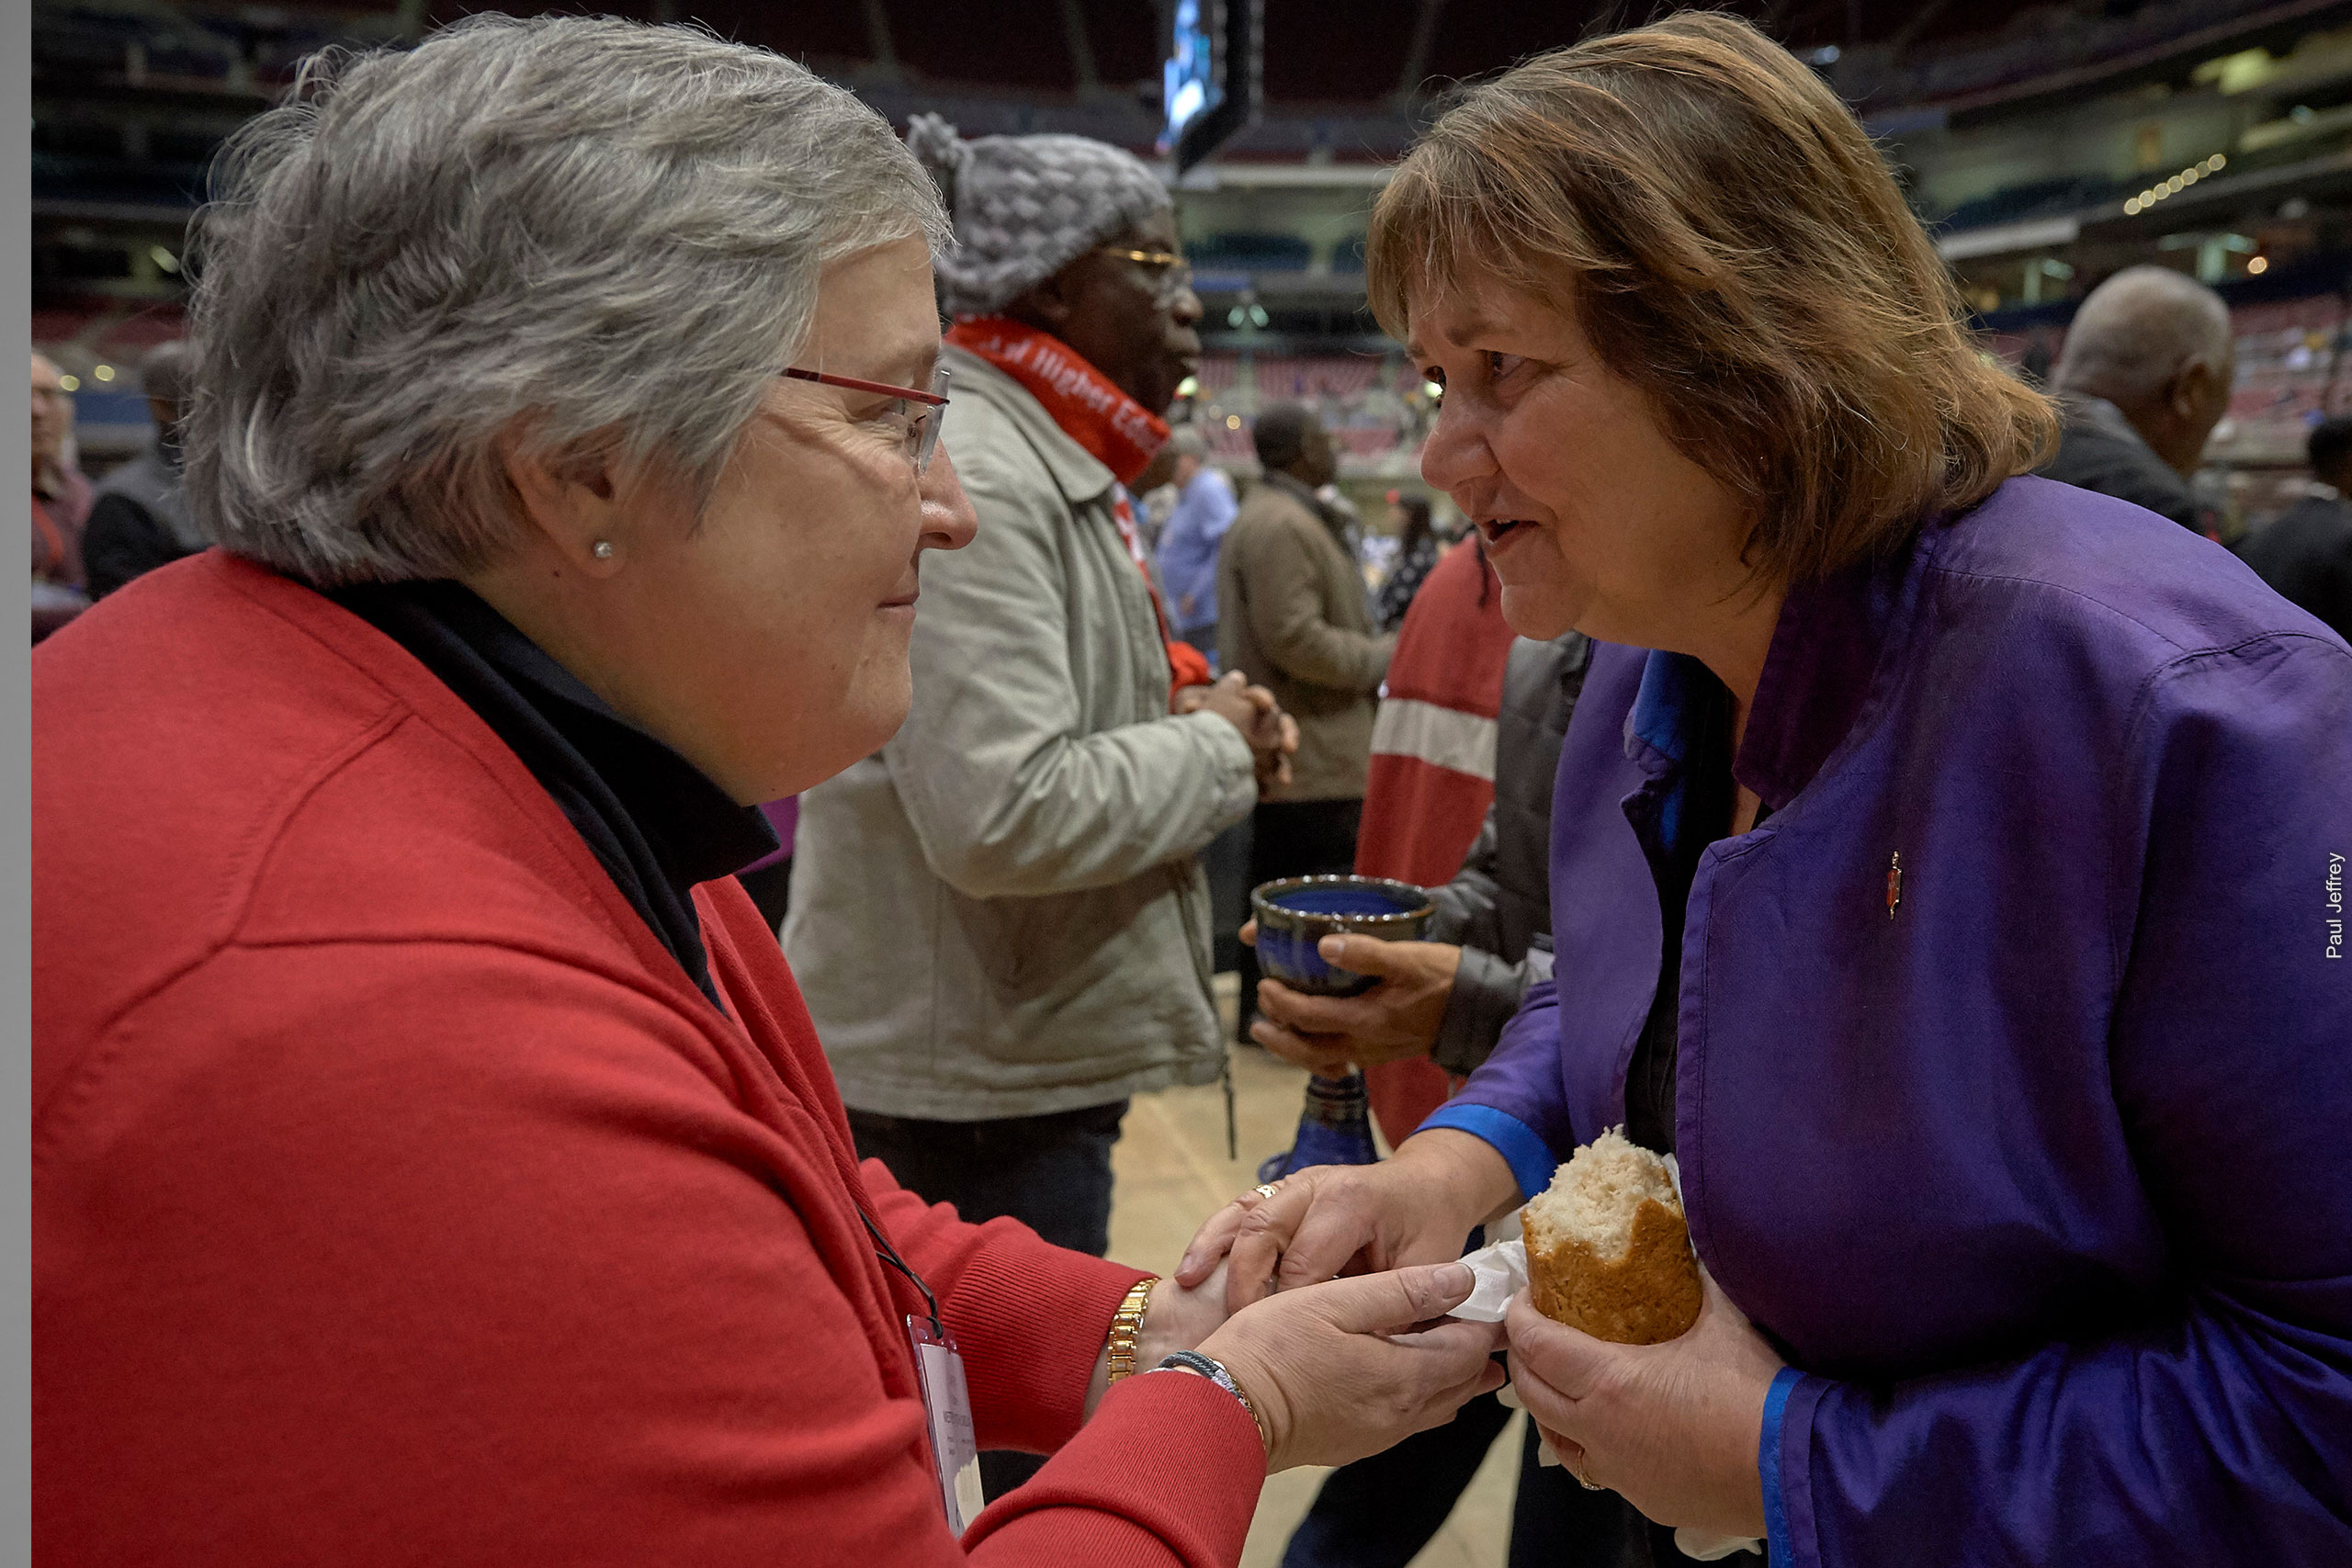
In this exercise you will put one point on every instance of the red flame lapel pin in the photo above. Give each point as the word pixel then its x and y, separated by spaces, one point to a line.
pixel 1894 883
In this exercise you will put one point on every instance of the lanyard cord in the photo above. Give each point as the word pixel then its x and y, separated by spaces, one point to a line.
pixel 890 1256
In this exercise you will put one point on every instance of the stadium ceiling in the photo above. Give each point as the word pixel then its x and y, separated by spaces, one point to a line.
pixel 1387 50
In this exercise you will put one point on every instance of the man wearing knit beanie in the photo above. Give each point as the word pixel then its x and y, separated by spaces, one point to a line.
pixel 1000 920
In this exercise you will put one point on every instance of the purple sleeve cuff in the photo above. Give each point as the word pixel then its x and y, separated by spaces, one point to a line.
pixel 1768 1461
pixel 1529 1158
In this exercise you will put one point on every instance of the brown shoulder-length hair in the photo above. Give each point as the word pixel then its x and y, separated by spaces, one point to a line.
pixel 1732 244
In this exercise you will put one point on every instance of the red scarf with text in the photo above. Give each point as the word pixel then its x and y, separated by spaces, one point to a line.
pixel 1117 431
pixel 1120 431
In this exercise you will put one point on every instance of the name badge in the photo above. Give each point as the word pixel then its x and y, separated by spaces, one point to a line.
pixel 947 1403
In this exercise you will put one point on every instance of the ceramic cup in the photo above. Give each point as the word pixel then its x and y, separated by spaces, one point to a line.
pixel 1297 912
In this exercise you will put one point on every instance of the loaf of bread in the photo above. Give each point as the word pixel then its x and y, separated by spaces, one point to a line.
pixel 1608 1250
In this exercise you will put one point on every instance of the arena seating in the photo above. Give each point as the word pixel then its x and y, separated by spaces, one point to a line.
pixel 1250 252
pixel 1370 405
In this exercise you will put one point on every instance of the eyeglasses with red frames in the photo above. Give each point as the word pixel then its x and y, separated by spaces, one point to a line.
pixel 920 410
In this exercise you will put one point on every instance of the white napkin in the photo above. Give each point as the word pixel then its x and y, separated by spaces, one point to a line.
pixel 1500 1273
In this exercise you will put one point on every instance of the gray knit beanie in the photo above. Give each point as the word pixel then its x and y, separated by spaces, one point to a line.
pixel 1025 206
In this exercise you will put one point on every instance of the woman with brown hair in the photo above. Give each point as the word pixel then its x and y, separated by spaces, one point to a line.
pixel 1947 868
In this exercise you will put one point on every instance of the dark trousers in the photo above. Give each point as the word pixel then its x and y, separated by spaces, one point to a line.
pixel 1051 1172
pixel 1294 838
pixel 1226 861
pixel 1380 1512
pixel 1558 1524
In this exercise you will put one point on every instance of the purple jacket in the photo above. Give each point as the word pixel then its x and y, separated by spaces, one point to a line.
pixel 2041 1175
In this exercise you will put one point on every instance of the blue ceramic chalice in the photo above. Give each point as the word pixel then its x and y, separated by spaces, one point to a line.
pixel 1299 911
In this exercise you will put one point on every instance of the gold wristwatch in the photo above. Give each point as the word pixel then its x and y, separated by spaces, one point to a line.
pixel 1126 1327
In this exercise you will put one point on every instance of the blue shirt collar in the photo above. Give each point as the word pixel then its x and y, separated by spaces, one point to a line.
pixel 1816 680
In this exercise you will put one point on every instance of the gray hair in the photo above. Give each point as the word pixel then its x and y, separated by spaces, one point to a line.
pixel 565 233
pixel 1026 207
pixel 2137 331
pixel 166 373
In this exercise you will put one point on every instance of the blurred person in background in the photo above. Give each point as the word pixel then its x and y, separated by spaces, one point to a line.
pixel 1292 612
pixel 432 1159
pixel 60 505
pixel 2144 378
pixel 139 519
pixel 1189 542
pixel 1941 868
pixel 2306 554
pixel 1025 850
pixel 1458 799
pixel 1152 497
pixel 1416 552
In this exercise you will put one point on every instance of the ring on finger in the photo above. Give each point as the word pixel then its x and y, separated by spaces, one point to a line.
pixel 1576 1467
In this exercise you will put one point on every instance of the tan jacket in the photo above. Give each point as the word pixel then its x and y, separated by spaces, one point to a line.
pixel 1291 613
pixel 1002 912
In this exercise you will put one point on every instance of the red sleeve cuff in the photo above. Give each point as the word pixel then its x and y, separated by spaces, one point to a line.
pixel 1031 1319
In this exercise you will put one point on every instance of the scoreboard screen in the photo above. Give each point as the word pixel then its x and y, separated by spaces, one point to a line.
pixel 1211 83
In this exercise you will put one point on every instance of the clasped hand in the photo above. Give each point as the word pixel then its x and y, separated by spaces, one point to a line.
pixel 1674 1427
pixel 1271 734
pixel 1339 1372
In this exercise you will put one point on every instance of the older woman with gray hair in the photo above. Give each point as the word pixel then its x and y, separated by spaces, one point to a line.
pixel 432 1159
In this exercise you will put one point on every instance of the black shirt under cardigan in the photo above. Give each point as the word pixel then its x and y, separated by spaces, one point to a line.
pixel 655 822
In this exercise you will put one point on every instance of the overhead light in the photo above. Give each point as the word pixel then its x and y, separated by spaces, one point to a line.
pixel 1233 421
pixel 2218 161
pixel 1433 389
pixel 104 372
pixel 2132 205
pixel 71 383
pixel 2236 73
pixel 2257 265
pixel 164 259
pixel 1190 386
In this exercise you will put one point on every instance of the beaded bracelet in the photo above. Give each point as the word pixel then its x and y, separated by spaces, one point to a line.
pixel 1213 1369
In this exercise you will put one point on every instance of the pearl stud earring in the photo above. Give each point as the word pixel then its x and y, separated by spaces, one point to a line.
pixel 603 551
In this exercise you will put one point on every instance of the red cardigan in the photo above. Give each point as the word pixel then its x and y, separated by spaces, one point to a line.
pixel 398 1199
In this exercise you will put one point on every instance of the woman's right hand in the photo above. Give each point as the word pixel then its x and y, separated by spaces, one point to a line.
pixel 1417 1207
pixel 1339 1372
